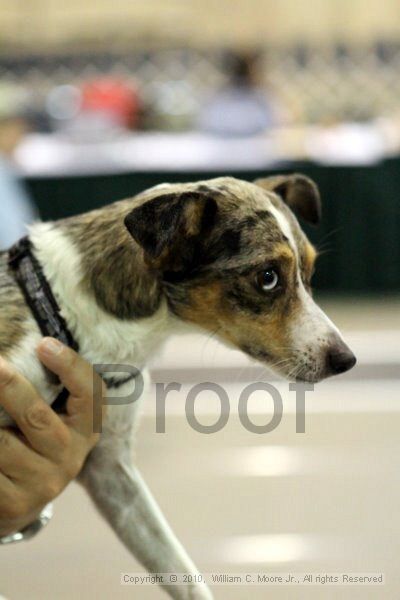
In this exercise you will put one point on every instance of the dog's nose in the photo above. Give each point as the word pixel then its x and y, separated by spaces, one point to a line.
pixel 340 359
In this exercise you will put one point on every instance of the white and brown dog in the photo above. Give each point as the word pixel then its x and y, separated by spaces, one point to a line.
pixel 226 255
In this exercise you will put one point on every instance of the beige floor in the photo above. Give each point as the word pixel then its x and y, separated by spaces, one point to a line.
pixel 320 502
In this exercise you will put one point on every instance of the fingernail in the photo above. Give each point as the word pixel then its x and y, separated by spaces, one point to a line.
pixel 51 347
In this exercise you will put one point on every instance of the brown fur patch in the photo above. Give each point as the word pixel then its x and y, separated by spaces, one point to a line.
pixel 114 268
pixel 263 336
pixel 309 257
pixel 299 192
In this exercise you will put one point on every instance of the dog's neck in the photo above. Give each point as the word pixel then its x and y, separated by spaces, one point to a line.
pixel 110 300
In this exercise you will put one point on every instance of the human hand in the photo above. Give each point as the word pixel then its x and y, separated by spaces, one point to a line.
pixel 38 461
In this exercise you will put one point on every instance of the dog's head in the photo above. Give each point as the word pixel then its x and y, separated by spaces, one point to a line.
pixel 233 259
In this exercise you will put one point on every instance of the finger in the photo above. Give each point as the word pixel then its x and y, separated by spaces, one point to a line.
pixel 7 488
pixel 17 460
pixel 9 506
pixel 78 376
pixel 43 429
pixel 74 372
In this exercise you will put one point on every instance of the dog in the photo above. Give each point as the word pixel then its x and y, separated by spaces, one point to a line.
pixel 223 255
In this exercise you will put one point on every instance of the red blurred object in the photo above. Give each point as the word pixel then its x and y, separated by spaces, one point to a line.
pixel 116 98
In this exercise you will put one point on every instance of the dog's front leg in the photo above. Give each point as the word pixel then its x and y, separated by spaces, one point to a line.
pixel 123 498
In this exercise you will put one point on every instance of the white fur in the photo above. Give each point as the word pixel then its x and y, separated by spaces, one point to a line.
pixel 102 338
pixel 24 359
pixel 311 334
pixel 284 226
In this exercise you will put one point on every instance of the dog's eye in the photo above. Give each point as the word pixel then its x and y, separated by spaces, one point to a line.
pixel 268 280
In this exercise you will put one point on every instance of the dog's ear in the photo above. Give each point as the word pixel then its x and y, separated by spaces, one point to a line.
pixel 170 226
pixel 299 192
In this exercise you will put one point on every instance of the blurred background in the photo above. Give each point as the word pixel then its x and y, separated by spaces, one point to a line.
pixel 101 100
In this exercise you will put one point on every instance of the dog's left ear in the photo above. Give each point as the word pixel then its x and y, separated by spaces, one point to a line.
pixel 299 192
pixel 170 227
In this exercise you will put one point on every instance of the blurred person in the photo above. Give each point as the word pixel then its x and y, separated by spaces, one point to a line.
pixel 101 108
pixel 115 100
pixel 16 209
pixel 242 107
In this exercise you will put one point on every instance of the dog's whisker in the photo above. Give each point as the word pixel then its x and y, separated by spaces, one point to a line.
pixel 212 336
pixel 328 235
pixel 241 372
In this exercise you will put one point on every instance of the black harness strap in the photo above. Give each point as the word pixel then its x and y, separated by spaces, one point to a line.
pixel 44 307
